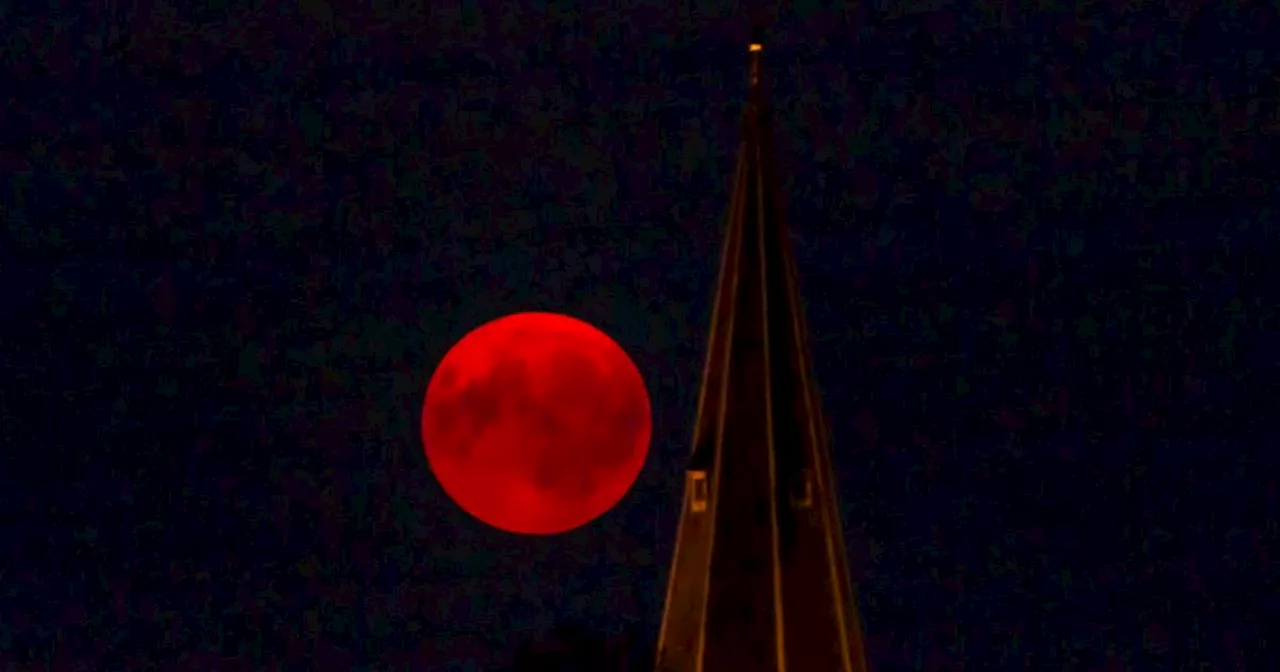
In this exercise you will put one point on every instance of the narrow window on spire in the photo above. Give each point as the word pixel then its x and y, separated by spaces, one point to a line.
pixel 802 489
pixel 698 490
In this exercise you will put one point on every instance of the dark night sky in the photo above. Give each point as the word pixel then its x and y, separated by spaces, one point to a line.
pixel 1036 248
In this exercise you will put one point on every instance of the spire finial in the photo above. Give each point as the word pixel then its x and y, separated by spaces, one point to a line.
pixel 754 48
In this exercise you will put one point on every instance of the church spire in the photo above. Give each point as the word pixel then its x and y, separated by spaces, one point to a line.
pixel 758 580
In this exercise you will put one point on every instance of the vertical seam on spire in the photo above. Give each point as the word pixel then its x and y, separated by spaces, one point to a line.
pixel 778 622
pixel 822 469
pixel 697 421
pixel 735 240
pixel 715 316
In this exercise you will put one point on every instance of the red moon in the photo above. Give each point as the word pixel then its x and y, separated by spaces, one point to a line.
pixel 536 423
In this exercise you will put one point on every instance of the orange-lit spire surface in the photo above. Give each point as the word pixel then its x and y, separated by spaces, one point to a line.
pixel 759 581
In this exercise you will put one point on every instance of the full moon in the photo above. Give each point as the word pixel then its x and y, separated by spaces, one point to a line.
pixel 536 423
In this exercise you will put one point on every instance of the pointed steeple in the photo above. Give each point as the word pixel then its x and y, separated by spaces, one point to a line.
pixel 759 581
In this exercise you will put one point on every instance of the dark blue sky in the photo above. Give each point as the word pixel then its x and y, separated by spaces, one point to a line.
pixel 1036 249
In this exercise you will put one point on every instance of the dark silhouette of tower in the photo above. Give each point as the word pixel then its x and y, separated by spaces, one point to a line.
pixel 759 580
